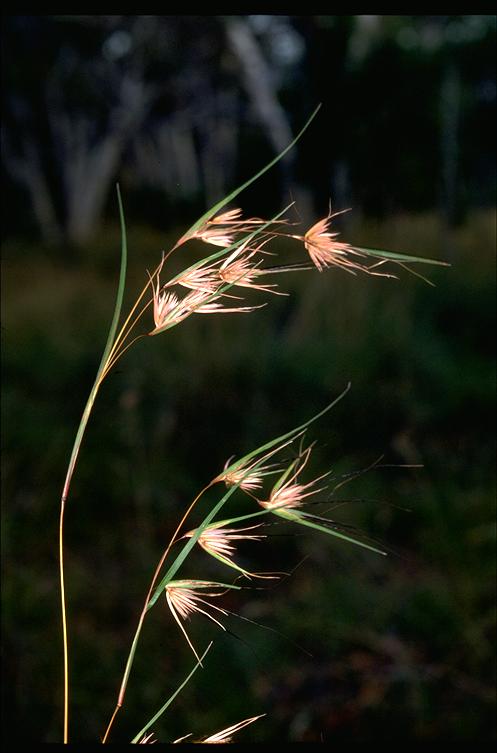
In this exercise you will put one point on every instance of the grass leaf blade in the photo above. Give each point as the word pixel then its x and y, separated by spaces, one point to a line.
pixel 172 697
pixel 301 520
pixel 121 285
pixel 213 210
pixel 379 254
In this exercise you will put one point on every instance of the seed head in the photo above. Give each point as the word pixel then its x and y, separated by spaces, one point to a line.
pixel 248 481
pixel 170 310
pixel 217 541
pixel 325 250
pixel 222 229
pixel 239 269
pixel 225 735
pixel 147 739
pixel 201 278
pixel 185 597
pixel 290 494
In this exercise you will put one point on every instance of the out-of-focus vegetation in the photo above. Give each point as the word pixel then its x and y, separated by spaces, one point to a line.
pixel 178 106
pixel 401 647
pixel 181 109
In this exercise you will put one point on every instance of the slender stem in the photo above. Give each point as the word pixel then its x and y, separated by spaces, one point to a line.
pixel 129 663
pixel 122 336
pixel 76 447
pixel 116 357
pixel 65 494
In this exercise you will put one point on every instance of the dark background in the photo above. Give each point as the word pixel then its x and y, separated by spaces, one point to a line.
pixel 180 110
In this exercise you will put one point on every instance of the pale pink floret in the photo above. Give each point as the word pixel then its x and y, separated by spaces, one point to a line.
pixel 216 237
pixel 249 475
pixel 227 218
pixel 201 278
pixel 233 217
pixel 238 269
pixel 246 480
pixel 183 600
pixel 213 232
pixel 197 302
pixel 326 251
pixel 224 735
pixel 170 310
pixel 218 540
pixel 166 308
pixel 147 739
pixel 291 494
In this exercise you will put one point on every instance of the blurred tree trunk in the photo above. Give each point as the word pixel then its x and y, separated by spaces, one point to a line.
pixel 219 144
pixel 164 158
pixel 257 78
pixel 66 129
pixel 88 161
pixel 27 170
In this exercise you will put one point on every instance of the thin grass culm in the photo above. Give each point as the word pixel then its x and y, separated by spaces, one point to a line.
pixel 233 267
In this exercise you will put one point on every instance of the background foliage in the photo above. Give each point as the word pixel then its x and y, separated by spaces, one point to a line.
pixel 180 109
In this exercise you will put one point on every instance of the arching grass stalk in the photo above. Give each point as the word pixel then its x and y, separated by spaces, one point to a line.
pixel 243 244
pixel 113 350
pixel 75 452
pixel 153 595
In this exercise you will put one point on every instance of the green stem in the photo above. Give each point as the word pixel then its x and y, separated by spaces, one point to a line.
pixel 70 470
pixel 171 698
pixel 131 656
pixel 75 452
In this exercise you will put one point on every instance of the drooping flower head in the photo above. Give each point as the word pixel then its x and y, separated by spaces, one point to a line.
pixel 217 540
pixel 240 269
pixel 169 309
pixel 224 735
pixel 287 493
pixel 325 250
pixel 222 229
pixel 242 475
pixel 185 597
pixel 247 474
pixel 147 739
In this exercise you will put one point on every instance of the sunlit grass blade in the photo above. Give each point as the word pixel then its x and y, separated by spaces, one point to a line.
pixel 285 475
pixel 172 697
pixel 121 285
pixel 380 254
pixel 230 563
pixel 301 519
pixel 213 210
pixel 288 435
pixel 192 582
